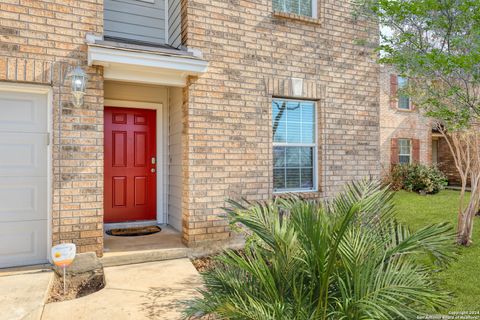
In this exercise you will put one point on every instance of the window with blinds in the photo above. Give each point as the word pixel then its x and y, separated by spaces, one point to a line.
pixel 294 145
pixel 403 99
pixel 300 7
pixel 404 151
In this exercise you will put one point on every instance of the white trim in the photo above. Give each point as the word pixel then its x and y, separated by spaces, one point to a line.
pixel 50 133
pixel 45 90
pixel 314 9
pixel 162 150
pixel 315 149
pixel 27 88
pixel 145 67
pixel 146 59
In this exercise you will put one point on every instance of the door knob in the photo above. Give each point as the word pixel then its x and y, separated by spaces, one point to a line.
pixel 153 170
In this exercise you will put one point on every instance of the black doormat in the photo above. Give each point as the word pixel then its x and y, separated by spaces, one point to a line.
pixel 134 232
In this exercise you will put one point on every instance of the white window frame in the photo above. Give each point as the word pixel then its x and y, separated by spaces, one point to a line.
pixel 289 144
pixel 314 10
pixel 404 154
pixel 398 99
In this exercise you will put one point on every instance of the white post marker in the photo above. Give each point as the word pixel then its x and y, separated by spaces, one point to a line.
pixel 62 256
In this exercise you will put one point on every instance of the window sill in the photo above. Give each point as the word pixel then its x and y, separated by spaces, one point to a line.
pixel 405 110
pixel 314 194
pixel 294 16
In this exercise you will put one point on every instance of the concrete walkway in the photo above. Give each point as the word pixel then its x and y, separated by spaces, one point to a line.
pixel 22 295
pixel 152 290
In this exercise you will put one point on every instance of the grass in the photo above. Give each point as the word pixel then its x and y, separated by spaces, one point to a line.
pixel 462 278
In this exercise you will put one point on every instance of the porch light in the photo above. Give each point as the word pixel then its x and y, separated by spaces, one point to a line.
pixel 78 84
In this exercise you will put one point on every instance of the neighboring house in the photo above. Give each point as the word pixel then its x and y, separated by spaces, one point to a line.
pixel 444 160
pixel 406 135
pixel 189 103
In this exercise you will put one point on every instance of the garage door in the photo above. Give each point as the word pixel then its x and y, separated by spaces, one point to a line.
pixel 23 179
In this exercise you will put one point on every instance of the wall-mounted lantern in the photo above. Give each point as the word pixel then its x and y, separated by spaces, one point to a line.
pixel 78 85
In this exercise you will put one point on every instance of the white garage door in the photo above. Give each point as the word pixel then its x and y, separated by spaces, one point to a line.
pixel 23 178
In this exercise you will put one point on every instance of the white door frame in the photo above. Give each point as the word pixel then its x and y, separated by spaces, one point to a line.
pixel 45 90
pixel 162 152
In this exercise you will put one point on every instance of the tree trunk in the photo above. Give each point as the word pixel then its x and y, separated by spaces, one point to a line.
pixel 465 149
pixel 465 227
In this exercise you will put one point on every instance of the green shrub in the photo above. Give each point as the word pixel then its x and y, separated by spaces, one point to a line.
pixel 417 178
pixel 343 259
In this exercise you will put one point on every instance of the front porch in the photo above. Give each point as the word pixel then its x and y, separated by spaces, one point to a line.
pixel 164 245
pixel 143 123
pixel 168 238
pixel 156 158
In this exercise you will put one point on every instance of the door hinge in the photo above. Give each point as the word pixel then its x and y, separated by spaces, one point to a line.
pixel 48 138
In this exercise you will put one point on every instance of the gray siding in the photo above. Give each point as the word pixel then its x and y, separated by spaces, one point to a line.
pixel 174 23
pixel 135 19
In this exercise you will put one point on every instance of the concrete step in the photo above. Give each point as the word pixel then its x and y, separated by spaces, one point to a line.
pixel 111 259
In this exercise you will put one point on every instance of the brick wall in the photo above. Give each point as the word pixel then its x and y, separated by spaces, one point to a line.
pixel 400 124
pixel 39 40
pixel 227 112
pixel 226 143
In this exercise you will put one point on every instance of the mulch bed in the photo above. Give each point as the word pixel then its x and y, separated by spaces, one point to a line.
pixel 206 263
pixel 203 264
pixel 77 286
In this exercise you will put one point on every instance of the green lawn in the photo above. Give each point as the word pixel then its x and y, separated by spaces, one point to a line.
pixel 462 278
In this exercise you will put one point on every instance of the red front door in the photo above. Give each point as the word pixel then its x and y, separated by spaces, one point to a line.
pixel 130 165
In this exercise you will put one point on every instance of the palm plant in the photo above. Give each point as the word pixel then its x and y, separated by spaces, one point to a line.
pixel 343 259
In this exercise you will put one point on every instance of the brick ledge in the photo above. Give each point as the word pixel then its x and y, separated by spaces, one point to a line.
pixel 305 194
pixel 293 16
